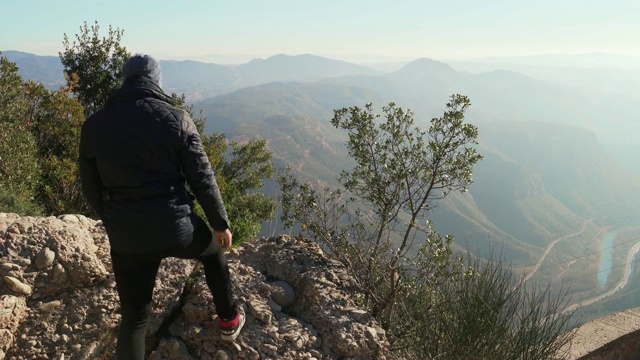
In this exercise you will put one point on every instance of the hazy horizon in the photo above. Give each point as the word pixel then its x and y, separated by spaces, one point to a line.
pixel 399 31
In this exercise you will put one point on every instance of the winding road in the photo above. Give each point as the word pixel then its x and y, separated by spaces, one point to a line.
pixel 550 246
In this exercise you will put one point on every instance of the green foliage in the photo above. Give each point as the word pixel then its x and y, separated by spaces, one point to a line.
pixel 19 171
pixel 377 226
pixel 39 148
pixel 60 189
pixel 250 164
pixel 480 314
pixel 93 65
pixel 239 178
pixel 57 125
pixel 400 171
pixel 10 83
pixel 19 203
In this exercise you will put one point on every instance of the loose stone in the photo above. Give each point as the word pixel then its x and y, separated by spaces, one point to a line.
pixel 45 258
pixel 17 286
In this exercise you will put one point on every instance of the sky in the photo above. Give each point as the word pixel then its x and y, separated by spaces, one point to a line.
pixel 346 29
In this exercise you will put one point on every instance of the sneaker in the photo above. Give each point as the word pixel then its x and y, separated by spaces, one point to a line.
pixel 230 329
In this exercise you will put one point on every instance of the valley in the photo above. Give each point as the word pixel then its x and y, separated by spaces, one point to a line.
pixel 560 152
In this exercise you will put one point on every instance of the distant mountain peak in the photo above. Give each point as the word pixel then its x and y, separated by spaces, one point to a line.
pixel 304 66
pixel 300 59
pixel 14 55
pixel 426 65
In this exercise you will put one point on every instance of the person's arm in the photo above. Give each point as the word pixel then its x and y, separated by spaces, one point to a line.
pixel 201 179
pixel 91 183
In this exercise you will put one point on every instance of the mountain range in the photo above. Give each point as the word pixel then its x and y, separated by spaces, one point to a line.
pixel 422 84
pixel 558 157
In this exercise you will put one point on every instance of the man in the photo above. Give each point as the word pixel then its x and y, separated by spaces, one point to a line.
pixel 135 156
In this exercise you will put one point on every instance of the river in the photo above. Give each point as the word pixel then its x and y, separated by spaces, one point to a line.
pixel 628 265
pixel 606 257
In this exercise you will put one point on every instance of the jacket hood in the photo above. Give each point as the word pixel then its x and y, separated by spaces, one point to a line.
pixel 143 65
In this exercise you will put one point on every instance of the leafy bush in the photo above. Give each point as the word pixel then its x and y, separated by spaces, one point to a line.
pixel 19 168
pixel 19 203
pixel 38 147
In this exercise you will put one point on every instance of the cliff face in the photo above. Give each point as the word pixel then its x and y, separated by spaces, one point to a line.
pixel 58 299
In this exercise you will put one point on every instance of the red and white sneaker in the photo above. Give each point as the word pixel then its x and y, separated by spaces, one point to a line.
pixel 230 329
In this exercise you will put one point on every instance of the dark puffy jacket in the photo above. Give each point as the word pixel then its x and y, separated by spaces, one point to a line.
pixel 135 156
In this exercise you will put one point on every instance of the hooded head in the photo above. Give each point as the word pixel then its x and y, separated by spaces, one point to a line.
pixel 143 65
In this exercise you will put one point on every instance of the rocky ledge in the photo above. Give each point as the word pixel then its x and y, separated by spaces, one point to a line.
pixel 58 300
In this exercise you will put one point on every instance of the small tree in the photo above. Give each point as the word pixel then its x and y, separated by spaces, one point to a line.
pixel 93 65
pixel 400 172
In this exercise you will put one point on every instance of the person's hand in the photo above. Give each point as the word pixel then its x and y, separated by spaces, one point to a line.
pixel 224 238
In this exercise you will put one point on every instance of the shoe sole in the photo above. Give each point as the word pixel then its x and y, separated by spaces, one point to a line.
pixel 235 334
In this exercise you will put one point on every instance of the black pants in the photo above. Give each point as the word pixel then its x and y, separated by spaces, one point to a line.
pixel 135 278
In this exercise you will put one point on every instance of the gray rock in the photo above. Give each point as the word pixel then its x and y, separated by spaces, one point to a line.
pixel 59 274
pixel 282 293
pixel 50 306
pixel 179 350
pixel 274 306
pixel 359 314
pixel 269 349
pixel 69 218
pixel 260 310
pixel 221 355
pixel 371 333
pixel 13 310
pixel 6 340
pixel 347 345
pixel 7 267
pixel 45 258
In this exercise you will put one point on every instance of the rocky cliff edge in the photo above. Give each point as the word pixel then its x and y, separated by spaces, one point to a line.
pixel 58 299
